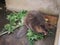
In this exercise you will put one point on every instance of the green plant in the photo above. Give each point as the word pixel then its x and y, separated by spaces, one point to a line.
pixel 15 18
pixel 15 21
pixel 9 28
pixel 32 36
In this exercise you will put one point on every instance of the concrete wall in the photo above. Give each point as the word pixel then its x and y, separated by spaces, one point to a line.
pixel 57 39
pixel 47 6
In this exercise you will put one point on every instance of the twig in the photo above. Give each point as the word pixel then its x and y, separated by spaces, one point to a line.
pixel 3 33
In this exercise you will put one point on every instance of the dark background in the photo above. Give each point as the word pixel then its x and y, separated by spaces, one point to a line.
pixel 2 1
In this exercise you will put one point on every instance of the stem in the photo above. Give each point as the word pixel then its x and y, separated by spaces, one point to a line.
pixel 3 33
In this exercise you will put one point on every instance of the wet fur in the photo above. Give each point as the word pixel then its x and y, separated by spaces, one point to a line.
pixel 35 21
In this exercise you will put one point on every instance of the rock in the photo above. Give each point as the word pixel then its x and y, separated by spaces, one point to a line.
pixel 46 6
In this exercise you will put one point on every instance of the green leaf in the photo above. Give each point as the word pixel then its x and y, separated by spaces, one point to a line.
pixel 15 20
pixel 9 28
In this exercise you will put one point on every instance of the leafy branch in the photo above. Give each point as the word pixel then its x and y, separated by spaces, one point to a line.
pixel 15 21
pixel 32 36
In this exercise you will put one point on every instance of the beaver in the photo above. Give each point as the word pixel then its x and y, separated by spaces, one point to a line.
pixel 35 21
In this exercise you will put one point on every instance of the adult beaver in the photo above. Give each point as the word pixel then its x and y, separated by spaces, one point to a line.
pixel 36 21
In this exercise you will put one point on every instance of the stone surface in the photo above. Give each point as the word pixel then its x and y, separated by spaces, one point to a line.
pixel 46 6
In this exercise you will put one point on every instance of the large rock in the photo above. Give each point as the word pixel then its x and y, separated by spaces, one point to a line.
pixel 46 6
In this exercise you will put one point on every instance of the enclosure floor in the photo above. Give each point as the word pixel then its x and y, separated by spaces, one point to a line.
pixel 11 40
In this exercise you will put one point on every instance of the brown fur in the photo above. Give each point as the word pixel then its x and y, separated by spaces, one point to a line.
pixel 34 20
